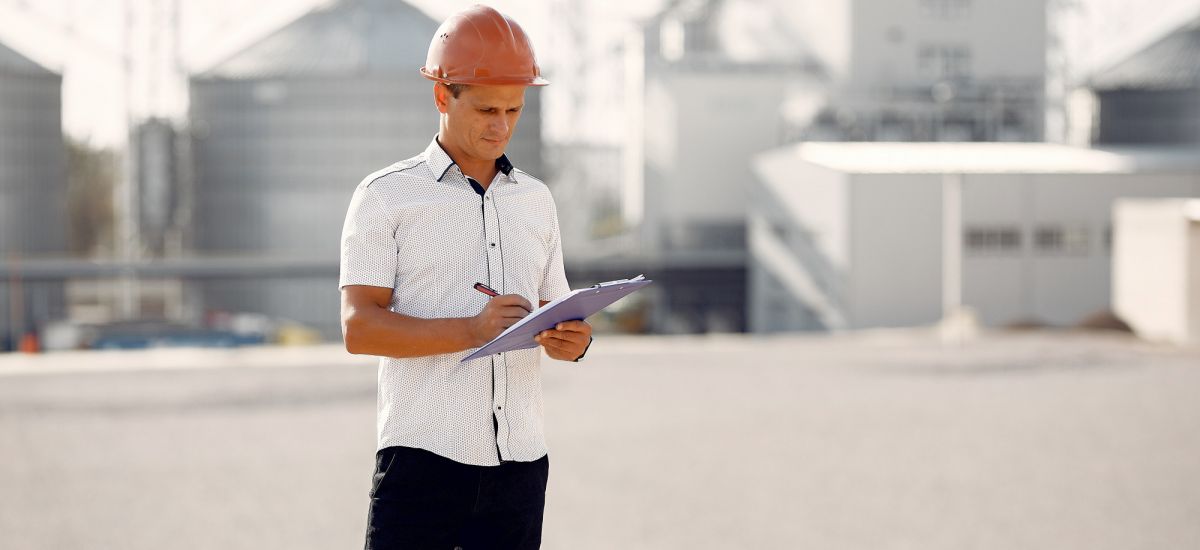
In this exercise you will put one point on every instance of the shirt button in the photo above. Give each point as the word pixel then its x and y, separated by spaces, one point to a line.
pixel 499 408
pixel 487 197
pixel 493 245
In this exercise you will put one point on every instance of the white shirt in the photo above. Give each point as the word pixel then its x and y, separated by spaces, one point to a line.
pixel 419 228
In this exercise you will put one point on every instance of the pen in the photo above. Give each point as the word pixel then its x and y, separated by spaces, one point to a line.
pixel 492 292
pixel 486 290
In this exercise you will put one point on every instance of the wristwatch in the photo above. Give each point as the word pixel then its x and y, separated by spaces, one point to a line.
pixel 580 358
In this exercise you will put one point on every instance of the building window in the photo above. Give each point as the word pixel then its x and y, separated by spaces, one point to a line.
pixel 944 61
pixel 992 239
pixel 1061 240
pixel 946 9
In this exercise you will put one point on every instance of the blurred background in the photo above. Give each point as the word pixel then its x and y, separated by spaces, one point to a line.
pixel 178 172
pixel 989 195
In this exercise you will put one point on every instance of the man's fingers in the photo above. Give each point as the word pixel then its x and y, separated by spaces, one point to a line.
pixel 554 345
pixel 567 337
pixel 578 338
pixel 557 343
pixel 513 300
pixel 573 326
pixel 516 312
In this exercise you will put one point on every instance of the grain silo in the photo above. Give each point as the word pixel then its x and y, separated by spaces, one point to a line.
pixel 32 192
pixel 284 131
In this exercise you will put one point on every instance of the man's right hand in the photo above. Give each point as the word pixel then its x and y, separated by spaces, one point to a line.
pixel 500 313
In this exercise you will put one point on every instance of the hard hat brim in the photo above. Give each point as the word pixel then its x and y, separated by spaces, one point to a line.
pixel 537 80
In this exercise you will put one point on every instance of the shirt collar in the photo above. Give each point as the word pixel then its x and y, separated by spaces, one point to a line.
pixel 441 162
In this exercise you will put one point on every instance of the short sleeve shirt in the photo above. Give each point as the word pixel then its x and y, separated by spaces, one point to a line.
pixel 420 228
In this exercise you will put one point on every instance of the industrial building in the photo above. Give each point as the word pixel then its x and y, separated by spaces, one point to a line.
pixel 1153 95
pixel 33 188
pixel 864 235
pixel 718 82
pixel 285 129
pixel 705 115
pixel 699 113
pixel 923 70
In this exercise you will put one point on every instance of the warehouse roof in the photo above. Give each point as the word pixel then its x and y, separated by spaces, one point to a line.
pixel 977 158
pixel 13 62
pixel 1171 62
pixel 349 37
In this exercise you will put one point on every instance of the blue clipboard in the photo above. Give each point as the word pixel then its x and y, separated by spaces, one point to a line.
pixel 575 305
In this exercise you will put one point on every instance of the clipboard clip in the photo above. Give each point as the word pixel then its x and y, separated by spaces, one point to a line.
pixel 619 281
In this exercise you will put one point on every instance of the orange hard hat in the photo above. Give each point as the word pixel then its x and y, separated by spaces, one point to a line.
pixel 480 45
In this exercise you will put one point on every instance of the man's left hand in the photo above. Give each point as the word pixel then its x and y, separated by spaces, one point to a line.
pixel 566 341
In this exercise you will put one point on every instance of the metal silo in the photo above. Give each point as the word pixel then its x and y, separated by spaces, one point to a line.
pixel 32 192
pixel 284 131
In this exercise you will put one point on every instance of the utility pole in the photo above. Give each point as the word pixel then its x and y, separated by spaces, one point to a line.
pixel 957 321
pixel 126 197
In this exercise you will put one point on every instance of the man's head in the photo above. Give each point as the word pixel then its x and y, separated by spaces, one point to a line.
pixel 478 120
pixel 482 62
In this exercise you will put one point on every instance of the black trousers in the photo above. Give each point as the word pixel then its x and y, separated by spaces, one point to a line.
pixel 420 500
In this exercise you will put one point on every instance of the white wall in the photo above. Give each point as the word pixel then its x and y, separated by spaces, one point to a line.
pixel 819 199
pixel 894 271
pixel 997 283
pixel 895 274
pixel 1193 276
pixel 1059 288
pixel 702 129
pixel 1068 287
pixel 799 241
pixel 1151 267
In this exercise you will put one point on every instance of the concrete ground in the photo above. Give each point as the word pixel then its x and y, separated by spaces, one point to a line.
pixel 883 440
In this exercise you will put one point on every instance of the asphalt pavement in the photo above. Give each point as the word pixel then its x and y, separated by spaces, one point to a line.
pixel 878 440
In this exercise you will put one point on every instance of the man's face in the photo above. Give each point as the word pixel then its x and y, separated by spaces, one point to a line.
pixel 481 120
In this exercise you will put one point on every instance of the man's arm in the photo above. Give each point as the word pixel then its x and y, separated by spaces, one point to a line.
pixel 370 328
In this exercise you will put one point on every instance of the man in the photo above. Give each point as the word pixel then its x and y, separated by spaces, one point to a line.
pixel 461 458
